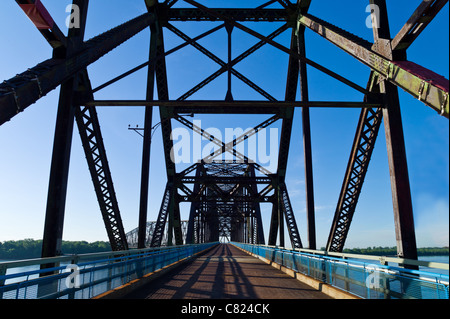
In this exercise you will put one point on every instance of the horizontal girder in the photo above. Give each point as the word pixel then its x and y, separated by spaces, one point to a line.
pixel 254 15
pixel 218 104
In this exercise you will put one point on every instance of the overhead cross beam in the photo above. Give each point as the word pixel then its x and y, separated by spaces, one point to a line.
pixel 233 107
pixel 225 67
pixel 155 59
pixel 277 45
pixel 247 14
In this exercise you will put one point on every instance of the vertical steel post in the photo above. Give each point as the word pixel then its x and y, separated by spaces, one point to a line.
pixel 273 231
pixel 257 212
pixel 145 172
pixel 59 171
pixel 398 168
pixel 194 211
pixel 229 27
pixel 280 217
pixel 310 211
pixel 401 192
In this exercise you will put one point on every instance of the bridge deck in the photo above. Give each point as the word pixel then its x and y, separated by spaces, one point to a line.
pixel 225 272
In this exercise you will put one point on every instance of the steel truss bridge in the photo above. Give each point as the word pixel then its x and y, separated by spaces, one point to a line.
pixel 225 196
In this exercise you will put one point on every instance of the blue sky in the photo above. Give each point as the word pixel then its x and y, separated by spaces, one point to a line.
pixel 26 141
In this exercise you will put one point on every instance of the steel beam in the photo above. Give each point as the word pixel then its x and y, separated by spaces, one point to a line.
pixel 26 88
pixel 259 234
pixel 421 83
pixel 238 59
pixel 56 200
pixel 166 206
pixel 303 5
pixel 92 141
pixel 147 142
pixel 211 105
pixel 398 167
pixel 95 152
pixel 38 14
pixel 287 211
pixel 288 114
pixel 207 179
pixel 145 64
pixel 367 131
pixel 273 230
pixel 59 171
pixel 225 67
pixel 222 14
pixel 166 114
pixel 363 145
pixel 368 126
pixel 225 202
pixel 307 148
pixel 278 46
pixel 418 21
pixel 401 192
pixel 190 239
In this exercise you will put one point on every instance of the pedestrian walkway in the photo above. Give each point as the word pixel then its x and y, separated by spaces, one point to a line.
pixel 225 272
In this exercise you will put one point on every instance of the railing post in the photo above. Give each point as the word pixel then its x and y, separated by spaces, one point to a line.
pixel 3 270
pixel 365 280
pixel 347 285
pixel 330 271
pixel 324 270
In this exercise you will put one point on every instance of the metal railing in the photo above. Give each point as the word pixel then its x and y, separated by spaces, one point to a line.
pixel 86 276
pixel 362 278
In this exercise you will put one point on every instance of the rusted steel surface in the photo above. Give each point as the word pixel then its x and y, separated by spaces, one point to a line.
pixel 226 272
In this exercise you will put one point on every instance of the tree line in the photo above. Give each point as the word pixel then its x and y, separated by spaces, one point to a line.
pixel 30 248
pixel 392 251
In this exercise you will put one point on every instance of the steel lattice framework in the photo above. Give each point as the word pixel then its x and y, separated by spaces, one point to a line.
pixel 225 195
pixel 133 235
